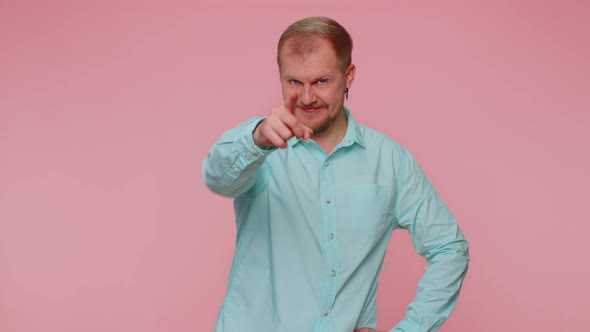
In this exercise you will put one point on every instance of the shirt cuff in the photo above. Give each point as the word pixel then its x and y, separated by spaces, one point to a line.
pixel 247 152
pixel 257 121
pixel 406 326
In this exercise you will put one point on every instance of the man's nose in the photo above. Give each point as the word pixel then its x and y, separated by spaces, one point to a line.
pixel 307 95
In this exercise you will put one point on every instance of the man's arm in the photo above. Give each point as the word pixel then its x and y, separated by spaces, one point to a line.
pixel 232 165
pixel 437 238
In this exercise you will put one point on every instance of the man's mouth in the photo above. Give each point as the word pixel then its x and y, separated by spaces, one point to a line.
pixel 310 109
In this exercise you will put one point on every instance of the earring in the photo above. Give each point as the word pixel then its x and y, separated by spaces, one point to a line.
pixel 346 93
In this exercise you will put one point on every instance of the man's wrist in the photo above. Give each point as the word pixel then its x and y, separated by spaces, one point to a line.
pixel 256 137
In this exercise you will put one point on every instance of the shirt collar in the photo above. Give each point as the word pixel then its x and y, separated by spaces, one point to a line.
pixel 353 134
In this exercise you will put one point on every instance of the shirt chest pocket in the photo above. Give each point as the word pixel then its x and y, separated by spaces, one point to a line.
pixel 369 208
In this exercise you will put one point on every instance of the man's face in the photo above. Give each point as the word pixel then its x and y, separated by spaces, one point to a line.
pixel 316 78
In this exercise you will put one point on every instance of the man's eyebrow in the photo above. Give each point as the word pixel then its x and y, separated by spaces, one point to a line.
pixel 322 77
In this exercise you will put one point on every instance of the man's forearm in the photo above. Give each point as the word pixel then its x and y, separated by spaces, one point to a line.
pixel 438 289
pixel 232 164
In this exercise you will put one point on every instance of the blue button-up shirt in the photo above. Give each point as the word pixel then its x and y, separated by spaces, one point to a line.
pixel 312 230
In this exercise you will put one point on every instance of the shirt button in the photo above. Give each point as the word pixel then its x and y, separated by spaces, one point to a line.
pixel 333 273
pixel 326 163
pixel 254 152
pixel 328 200
pixel 248 157
pixel 331 236
pixel 236 169
pixel 325 312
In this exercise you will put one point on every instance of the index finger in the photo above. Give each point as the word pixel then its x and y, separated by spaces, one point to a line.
pixel 290 102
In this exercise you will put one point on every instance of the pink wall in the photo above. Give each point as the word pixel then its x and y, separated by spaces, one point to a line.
pixel 107 111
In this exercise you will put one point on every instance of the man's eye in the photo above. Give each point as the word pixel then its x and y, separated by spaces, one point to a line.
pixel 322 82
pixel 294 82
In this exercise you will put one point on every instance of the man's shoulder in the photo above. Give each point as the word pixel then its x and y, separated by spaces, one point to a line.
pixel 377 139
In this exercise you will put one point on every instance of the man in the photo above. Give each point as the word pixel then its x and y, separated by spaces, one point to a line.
pixel 317 197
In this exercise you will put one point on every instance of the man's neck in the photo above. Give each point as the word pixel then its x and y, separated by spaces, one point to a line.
pixel 329 139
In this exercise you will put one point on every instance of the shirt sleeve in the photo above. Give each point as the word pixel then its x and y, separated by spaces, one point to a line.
pixel 233 165
pixel 436 237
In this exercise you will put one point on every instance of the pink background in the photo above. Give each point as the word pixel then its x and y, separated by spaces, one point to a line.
pixel 107 111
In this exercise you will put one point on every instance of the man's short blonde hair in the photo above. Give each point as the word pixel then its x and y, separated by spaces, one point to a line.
pixel 302 33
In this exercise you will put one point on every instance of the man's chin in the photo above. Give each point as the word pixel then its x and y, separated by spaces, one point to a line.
pixel 318 128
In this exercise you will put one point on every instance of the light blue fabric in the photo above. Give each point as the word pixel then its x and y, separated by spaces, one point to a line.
pixel 312 231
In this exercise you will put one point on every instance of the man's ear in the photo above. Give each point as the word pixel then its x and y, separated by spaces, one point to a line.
pixel 349 75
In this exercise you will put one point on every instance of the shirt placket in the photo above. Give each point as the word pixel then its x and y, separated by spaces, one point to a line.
pixel 328 207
